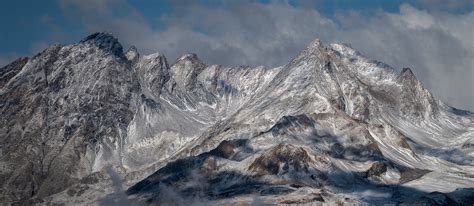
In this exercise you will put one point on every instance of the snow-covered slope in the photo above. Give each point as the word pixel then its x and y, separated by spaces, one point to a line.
pixel 83 121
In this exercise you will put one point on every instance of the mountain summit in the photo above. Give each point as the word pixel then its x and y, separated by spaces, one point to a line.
pixel 81 122
pixel 105 41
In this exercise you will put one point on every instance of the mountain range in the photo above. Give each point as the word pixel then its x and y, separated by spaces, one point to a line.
pixel 92 124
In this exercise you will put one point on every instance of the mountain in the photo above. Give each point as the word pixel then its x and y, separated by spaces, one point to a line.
pixel 90 123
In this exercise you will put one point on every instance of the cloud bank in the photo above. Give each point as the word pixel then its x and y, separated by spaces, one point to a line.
pixel 437 45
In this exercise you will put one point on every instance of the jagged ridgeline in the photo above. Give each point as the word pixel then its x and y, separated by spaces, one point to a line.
pixel 88 123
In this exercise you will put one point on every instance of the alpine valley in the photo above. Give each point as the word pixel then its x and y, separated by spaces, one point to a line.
pixel 92 124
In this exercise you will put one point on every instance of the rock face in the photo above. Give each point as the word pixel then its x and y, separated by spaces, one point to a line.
pixel 330 126
pixel 64 112
pixel 282 159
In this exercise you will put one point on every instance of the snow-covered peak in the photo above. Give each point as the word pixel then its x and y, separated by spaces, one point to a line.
pixel 408 78
pixel 314 48
pixel 188 57
pixel 186 69
pixel 316 43
pixel 331 119
pixel 153 56
pixel 132 54
pixel 369 71
pixel 106 42
pixel 153 71
pixel 407 74
pixel 344 49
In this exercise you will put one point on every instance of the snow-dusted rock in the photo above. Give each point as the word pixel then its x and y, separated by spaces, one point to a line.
pixel 330 126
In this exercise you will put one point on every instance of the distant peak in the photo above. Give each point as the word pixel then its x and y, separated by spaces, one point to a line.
pixel 186 69
pixel 105 41
pixel 315 43
pixel 100 37
pixel 344 49
pixel 407 72
pixel 192 59
pixel 154 56
pixel 315 46
pixel 190 56
pixel 132 54
pixel 315 49
pixel 407 75
pixel 132 49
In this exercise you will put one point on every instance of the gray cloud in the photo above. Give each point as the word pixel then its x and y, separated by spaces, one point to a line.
pixel 438 45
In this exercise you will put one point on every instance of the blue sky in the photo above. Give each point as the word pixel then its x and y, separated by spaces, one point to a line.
pixel 433 37
pixel 28 26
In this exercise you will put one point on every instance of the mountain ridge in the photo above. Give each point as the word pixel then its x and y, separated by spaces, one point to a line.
pixel 80 109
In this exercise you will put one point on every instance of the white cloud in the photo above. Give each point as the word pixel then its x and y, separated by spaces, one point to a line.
pixel 438 46
pixel 412 18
